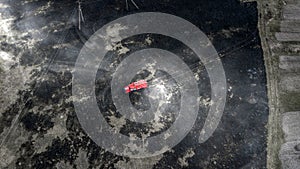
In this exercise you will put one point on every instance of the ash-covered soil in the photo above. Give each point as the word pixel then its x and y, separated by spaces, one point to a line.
pixel 40 42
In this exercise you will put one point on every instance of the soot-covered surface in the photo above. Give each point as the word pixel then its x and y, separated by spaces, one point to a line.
pixel 42 40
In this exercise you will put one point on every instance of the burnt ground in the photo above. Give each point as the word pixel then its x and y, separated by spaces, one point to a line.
pixel 39 127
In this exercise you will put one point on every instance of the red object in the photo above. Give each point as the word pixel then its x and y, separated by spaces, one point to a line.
pixel 141 84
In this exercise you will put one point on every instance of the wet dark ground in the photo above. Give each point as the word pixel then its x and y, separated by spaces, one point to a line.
pixel 52 136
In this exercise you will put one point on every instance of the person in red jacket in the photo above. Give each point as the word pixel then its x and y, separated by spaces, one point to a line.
pixel 141 84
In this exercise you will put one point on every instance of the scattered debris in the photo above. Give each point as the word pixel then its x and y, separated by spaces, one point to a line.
pixel 80 15
pixel 132 1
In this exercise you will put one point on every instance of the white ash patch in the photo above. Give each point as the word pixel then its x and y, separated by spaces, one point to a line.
pixel 183 160
pixel 56 26
pixel 12 80
pixel 43 9
pixel 36 37
pixel 231 95
pixel 160 93
pixel 204 101
pixel 9 152
pixel 226 33
pixel 117 123
pixel 61 46
pixel 167 135
pixel 63 165
pixel 81 161
pixel 158 90
pixel 6 60
pixel 230 92
pixel 187 51
pixel 77 99
pixel 29 1
pixel 120 48
pixel 113 39
pixel 252 99
pixel 6 24
pixel 151 68
pixel 197 73
pixel 136 163
pixel 229 89
pixel 58 130
pixel 148 40
pixel 133 148
pixel 6 157
pixel 157 125
pixel 3 6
